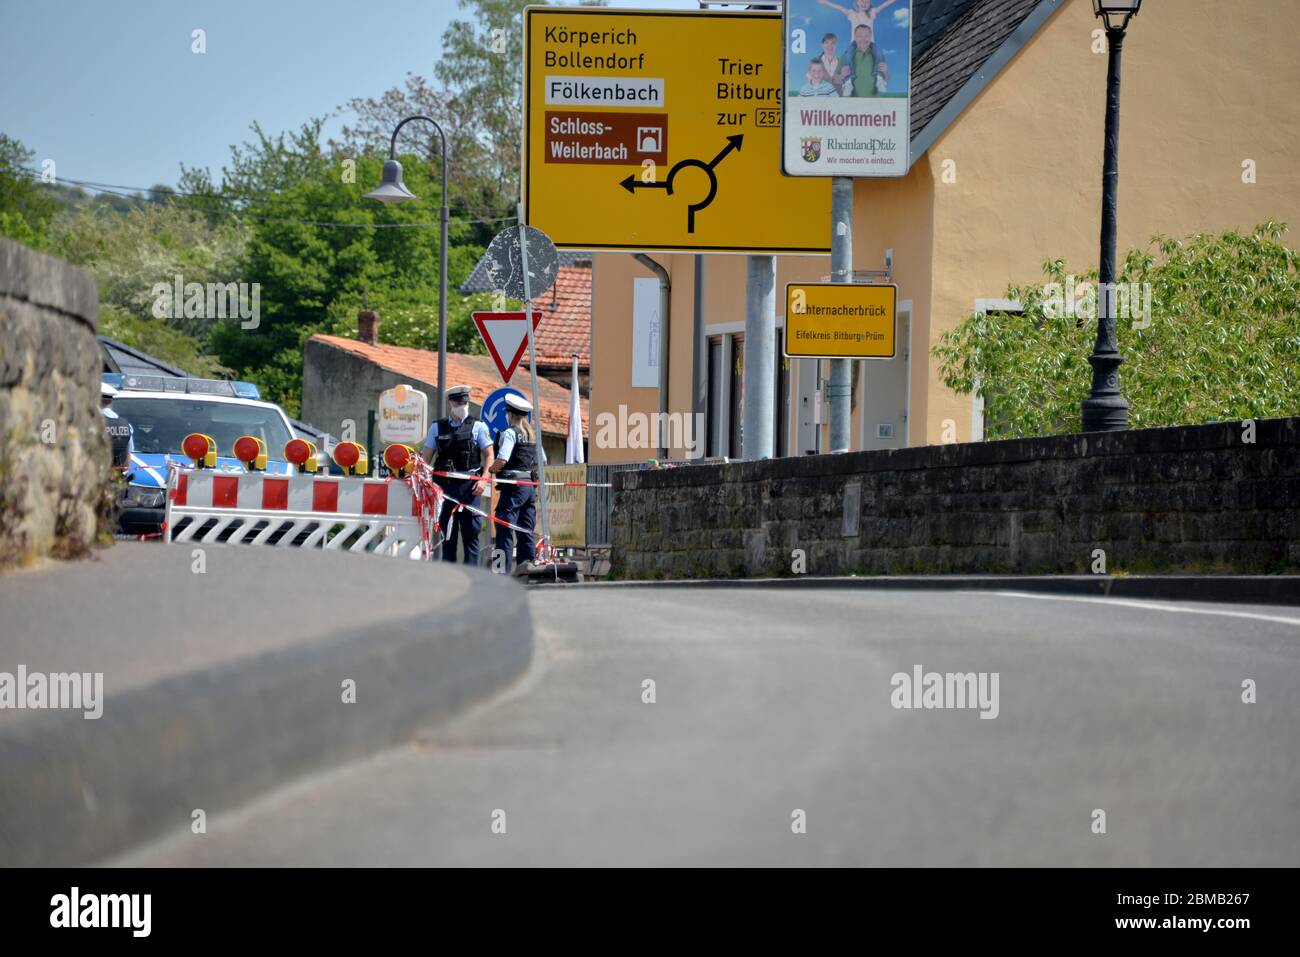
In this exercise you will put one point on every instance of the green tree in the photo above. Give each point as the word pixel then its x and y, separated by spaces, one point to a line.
pixel 159 339
pixel 130 252
pixel 1222 341
pixel 476 96
pixel 317 247
pixel 262 168
pixel 128 244
pixel 409 317
pixel 26 206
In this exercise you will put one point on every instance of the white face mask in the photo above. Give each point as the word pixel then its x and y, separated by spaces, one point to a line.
pixel 458 412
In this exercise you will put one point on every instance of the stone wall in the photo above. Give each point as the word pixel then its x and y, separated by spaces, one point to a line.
pixel 338 385
pixel 1193 498
pixel 53 455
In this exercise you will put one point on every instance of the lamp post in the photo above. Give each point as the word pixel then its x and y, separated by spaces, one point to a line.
pixel 392 190
pixel 1105 409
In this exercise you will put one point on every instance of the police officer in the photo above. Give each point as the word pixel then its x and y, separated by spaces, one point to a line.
pixel 459 443
pixel 516 459
pixel 119 432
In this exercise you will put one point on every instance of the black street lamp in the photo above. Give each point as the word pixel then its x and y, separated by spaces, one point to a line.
pixel 392 190
pixel 1105 409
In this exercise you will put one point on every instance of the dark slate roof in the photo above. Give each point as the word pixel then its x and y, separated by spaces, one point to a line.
pixel 477 280
pixel 119 357
pixel 951 41
pixel 930 18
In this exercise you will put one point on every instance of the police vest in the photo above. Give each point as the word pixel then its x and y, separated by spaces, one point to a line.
pixel 118 432
pixel 523 454
pixel 457 450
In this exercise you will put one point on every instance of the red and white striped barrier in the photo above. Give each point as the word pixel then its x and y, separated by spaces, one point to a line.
pixel 378 516
pixel 297 493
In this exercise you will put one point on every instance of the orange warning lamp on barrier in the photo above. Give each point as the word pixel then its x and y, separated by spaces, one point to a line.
pixel 301 454
pixel 251 450
pixel 351 458
pixel 200 449
pixel 400 459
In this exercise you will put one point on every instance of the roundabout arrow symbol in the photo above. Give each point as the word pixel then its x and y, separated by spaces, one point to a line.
pixel 632 184
pixel 733 143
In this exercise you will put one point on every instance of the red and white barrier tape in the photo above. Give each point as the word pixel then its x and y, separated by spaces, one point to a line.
pixel 426 496
pixel 429 495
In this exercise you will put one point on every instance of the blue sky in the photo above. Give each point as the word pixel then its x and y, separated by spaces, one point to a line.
pixel 110 90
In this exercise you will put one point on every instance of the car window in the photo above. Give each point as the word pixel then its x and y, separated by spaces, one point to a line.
pixel 161 424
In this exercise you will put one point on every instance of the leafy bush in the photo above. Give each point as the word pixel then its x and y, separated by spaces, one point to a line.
pixel 26 209
pixel 1223 340
pixel 129 253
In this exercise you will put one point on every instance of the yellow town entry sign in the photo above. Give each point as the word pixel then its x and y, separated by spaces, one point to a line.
pixel 827 320
pixel 662 131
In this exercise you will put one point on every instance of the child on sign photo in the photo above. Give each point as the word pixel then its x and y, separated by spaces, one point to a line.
pixel 861 14
pixel 818 84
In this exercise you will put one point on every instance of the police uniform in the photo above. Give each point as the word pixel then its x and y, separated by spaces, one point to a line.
pixel 458 447
pixel 516 504
pixel 119 432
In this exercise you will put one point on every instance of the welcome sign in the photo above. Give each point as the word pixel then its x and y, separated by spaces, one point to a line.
pixel 847 76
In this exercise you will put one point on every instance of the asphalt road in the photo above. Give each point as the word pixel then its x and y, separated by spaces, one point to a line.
pixel 86 615
pixel 770 701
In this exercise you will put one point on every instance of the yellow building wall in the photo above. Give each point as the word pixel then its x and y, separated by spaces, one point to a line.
pixel 611 351
pixel 725 292
pixel 897 214
pixel 1205 87
pixel 611 344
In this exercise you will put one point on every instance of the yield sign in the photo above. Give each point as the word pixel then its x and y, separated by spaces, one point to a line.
pixel 506 337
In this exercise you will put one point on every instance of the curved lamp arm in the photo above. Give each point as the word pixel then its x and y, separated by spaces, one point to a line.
pixel 442 139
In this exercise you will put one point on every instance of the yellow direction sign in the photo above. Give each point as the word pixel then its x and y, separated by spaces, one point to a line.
pixel 661 130
pixel 828 320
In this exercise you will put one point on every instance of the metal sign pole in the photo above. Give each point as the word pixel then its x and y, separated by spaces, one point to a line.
pixel 840 388
pixel 760 358
pixel 532 371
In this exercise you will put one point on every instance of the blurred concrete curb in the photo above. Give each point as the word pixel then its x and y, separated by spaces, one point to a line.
pixel 1237 589
pixel 73 790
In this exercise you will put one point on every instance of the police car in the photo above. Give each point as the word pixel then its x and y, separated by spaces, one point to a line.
pixel 163 410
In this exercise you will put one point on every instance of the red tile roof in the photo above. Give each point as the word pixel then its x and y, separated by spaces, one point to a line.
pixel 566 318
pixel 477 372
